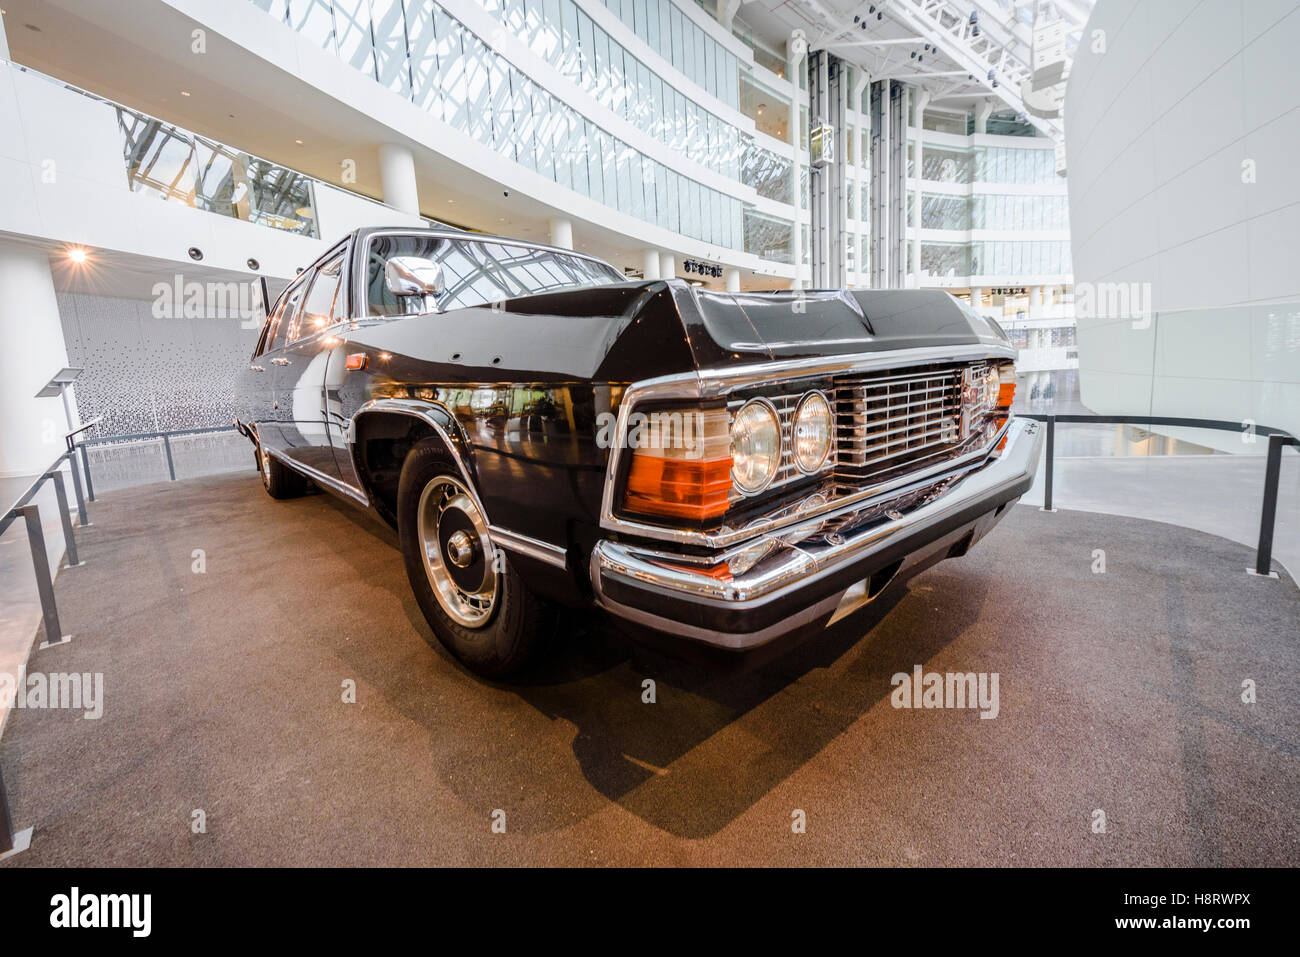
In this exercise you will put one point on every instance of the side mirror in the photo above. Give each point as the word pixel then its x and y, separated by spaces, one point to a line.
pixel 415 276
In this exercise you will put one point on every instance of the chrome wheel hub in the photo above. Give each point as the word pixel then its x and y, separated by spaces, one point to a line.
pixel 457 553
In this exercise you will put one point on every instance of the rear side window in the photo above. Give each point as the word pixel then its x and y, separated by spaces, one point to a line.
pixel 284 315
pixel 477 272
pixel 318 305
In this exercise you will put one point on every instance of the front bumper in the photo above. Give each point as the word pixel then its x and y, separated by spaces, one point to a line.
pixel 817 571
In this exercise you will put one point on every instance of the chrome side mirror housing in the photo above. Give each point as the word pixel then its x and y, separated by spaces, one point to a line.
pixel 415 276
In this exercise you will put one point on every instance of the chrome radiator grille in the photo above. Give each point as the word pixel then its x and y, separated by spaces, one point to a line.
pixel 885 421
pixel 788 471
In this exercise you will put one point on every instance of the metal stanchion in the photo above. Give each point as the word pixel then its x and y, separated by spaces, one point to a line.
pixel 85 468
pixel 1268 512
pixel 1051 462
pixel 69 537
pixel 41 566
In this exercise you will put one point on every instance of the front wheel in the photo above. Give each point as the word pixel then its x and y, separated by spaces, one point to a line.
pixel 472 597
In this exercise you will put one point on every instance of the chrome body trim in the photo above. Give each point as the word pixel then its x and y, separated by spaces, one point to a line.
pixel 531 547
pixel 795 563
pixel 316 476
pixel 420 409
pixel 715 383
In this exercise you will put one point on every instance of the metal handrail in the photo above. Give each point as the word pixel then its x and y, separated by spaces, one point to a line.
pixel 1277 440
pixel 23 507
pixel 144 437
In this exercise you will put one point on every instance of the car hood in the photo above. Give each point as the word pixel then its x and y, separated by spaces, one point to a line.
pixel 741 328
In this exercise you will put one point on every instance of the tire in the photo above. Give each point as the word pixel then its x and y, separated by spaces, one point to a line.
pixel 479 608
pixel 278 479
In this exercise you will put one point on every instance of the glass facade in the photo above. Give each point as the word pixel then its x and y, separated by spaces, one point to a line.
pixel 1005 258
pixel 177 166
pixel 768 173
pixel 418 50
pixel 768 237
pixel 1012 212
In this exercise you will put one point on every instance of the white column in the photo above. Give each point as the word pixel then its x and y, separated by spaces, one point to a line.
pixel 796 48
pixel 982 114
pixel 561 233
pixel 977 298
pixel 650 264
pixel 31 429
pixel 727 12
pixel 397 178
pixel 667 266
pixel 861 81
pixel 733 280
pixel 1035 301
pixel 922 100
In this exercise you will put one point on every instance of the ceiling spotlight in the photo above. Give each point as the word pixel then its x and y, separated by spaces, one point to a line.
pixel 919 59
pixel 913 54
pixel 77 255
pixel 195 253
pixel 253 264
pixel 856 18
pixel 975 30
pixel 880 16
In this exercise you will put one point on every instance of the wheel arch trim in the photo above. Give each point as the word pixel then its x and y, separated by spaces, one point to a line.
pixel 431 413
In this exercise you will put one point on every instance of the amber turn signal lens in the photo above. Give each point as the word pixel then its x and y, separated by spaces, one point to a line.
pixel 679 488
pixel 1006 385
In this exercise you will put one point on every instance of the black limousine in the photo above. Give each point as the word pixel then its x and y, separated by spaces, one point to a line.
pixel 723 471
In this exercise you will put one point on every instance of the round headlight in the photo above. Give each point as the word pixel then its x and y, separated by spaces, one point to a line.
pixel 814 427
pixel 755 446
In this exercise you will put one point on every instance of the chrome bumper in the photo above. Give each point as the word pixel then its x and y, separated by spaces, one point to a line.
pixel 809 570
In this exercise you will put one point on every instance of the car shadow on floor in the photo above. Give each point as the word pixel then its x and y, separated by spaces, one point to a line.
pixel 712 742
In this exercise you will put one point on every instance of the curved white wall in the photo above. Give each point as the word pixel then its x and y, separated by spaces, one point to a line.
pixel 31 429
pixel 1165 131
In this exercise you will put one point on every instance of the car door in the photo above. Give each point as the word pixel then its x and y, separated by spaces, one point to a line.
pixel 267 364
pixel 301 375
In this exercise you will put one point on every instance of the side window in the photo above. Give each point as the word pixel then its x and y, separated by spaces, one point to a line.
pixel 284 316
pixel 319 303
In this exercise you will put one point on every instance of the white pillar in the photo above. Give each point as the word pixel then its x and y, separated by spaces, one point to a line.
pixel 561 233
pixel 31 429
pixel 1035 301
pixel 727 12
pixel 982 114
pixel 861 81
pixel 796 48
pixel 922 100
pixel 397 178
pixel 733 280
pixel 667 266
pixel 976 298
pixel 650 264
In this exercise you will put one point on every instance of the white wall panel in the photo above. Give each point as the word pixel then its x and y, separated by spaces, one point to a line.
pixel 1157 129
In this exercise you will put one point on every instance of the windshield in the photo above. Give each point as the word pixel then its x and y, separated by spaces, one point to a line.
pixel 477 272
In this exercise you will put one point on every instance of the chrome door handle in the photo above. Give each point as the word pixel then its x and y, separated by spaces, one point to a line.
pixel 280 361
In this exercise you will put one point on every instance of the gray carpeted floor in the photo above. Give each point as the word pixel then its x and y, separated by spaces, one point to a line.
pixel 1119 692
